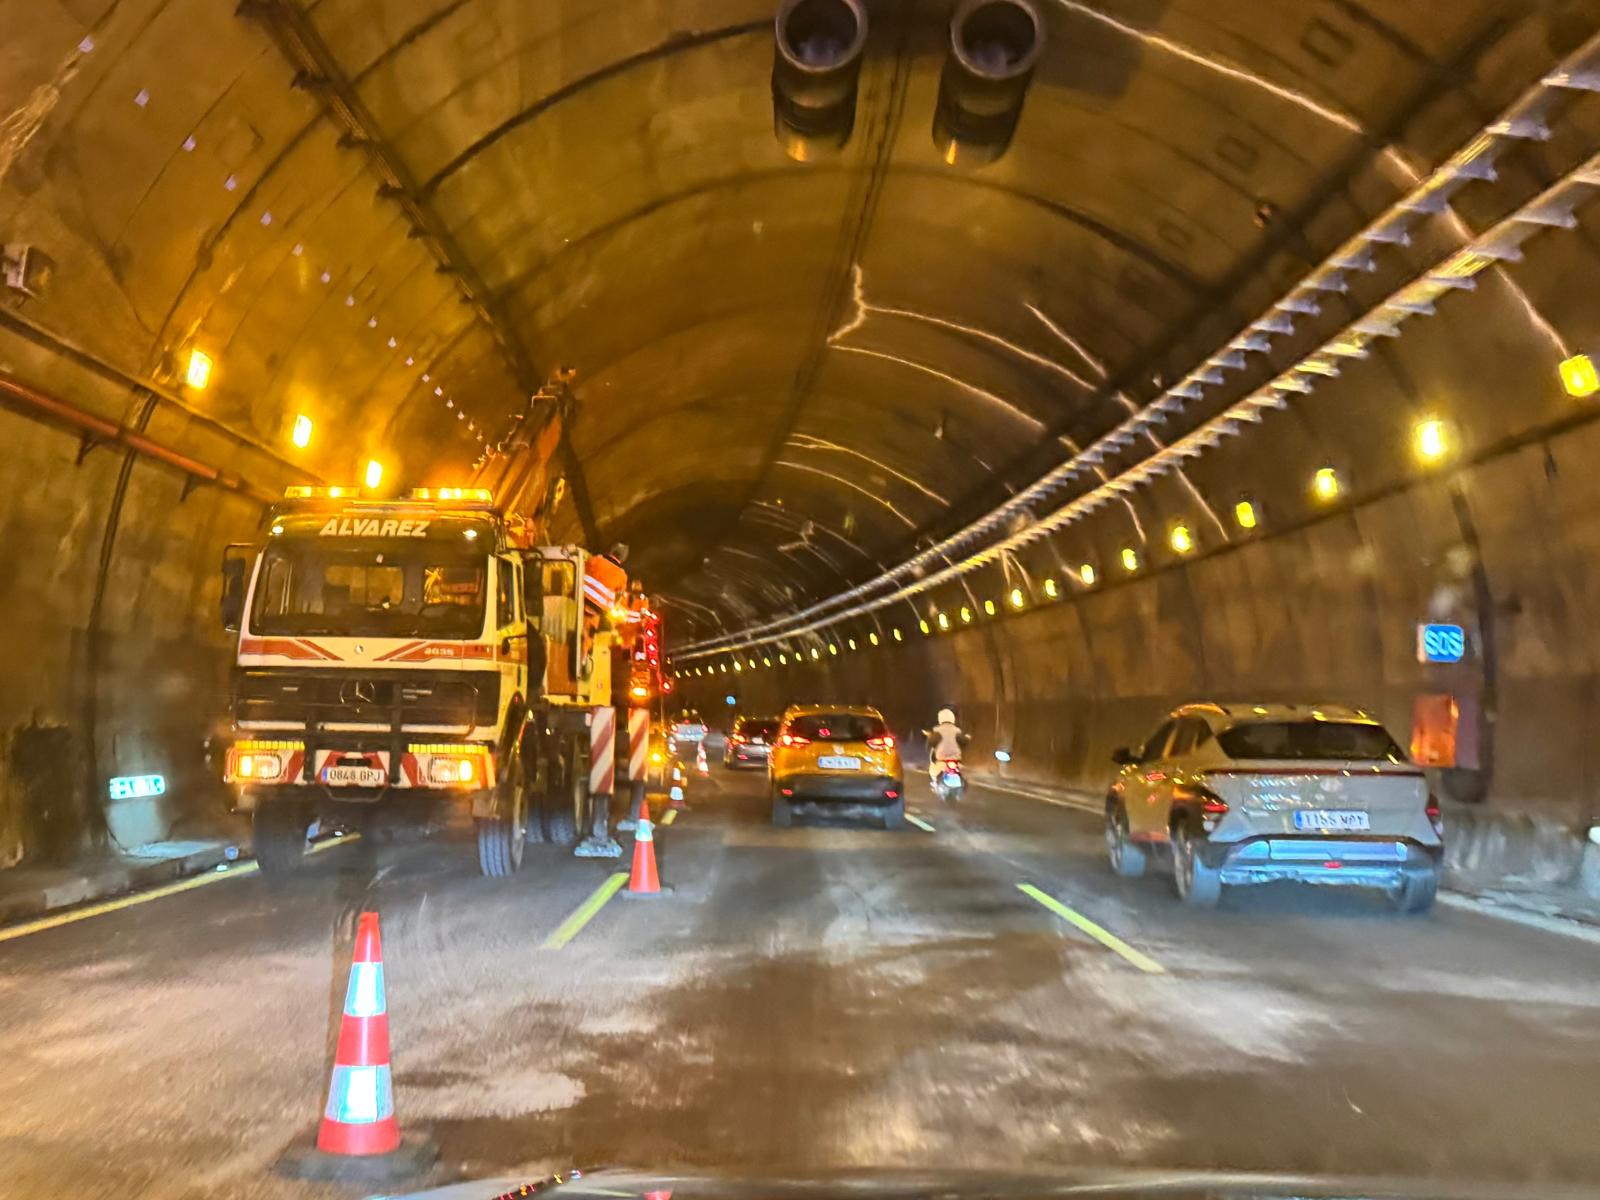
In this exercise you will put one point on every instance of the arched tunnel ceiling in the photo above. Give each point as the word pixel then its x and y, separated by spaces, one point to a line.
pixel 401 215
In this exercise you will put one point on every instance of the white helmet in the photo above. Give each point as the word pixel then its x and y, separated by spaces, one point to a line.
pixel 946 717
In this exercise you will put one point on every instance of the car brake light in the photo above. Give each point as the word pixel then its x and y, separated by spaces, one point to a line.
pixel 891 794
pixel 736 738
pixel 1435 815
pixel 791 739
pixel 886 742
pixel 1212 806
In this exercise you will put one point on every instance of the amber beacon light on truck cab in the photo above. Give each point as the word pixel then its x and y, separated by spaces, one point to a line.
pixel 419 649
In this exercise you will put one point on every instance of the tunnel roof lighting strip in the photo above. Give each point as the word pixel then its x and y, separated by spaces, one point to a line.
pixel 1576 187
pixel 1523 120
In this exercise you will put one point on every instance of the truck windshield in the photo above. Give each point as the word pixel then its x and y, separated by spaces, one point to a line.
pixel 370 588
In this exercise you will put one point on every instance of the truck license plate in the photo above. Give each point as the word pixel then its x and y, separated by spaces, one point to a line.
pixel 1331 820
pixel 353 776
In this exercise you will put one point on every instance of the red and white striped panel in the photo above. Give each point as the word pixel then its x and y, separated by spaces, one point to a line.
pixel 638 741
pixel 603 752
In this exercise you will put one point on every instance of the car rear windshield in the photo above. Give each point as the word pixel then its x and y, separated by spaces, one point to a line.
pixel 753 728
pixel 838 727
pixel 1310 739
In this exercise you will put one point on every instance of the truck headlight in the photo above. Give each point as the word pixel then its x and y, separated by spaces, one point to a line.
pixel 256 765
pixel 449 768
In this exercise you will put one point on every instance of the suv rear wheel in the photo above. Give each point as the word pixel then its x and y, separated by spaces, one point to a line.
pixel 1127 857
pixel 1415 893
pixel 1199 886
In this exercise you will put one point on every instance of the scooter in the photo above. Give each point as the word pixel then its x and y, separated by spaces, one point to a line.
pixel 949 783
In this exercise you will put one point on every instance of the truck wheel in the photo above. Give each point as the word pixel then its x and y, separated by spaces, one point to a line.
pixel 1415 894
pixel 568 804
pixel 280 835
pixel 501 837
pixel 1126 856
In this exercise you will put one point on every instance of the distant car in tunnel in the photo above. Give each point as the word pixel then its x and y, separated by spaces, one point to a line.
pixel 1235 794
pixel 688 727
pixel 836 759
pixel 750 742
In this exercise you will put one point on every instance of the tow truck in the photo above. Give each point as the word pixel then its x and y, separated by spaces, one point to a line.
pixel 423 648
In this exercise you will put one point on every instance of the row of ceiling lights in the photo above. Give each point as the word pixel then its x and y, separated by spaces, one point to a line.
pixel 200 365
pixel 1431 442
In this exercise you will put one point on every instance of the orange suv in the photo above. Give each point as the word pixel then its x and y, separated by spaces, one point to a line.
pixel 838 759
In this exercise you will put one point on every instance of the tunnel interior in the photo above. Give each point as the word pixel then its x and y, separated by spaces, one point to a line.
pixel 1207 358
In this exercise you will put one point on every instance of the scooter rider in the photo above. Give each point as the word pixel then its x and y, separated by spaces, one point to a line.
pixel 945 740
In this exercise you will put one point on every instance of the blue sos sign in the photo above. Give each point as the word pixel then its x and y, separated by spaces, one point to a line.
pixel 1441 643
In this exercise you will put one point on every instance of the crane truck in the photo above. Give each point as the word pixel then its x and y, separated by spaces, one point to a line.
pixel 426 648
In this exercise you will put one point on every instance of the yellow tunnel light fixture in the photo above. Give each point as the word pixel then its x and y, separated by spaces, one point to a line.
pixel 833 647
pixel 1050 589
pixel 1017 598
pixel 1325 485
pixel 639 692
pixel 1130 559
pixel 1086 573
pixel 198 373
pixel 766 661
pixel 752 664
pixel 944 620
pixel 724 668
pixel 300 435
pixel 1245 514
pixel 966 615
pixel 783 660
pixel 815 654
pixel 1579 376
pixel 1432 439
pixel 374 475
pixel 872 638
pixel 850 643
pixel 1180 539
pixel 988 607
pixel 896 632
pixel 737 665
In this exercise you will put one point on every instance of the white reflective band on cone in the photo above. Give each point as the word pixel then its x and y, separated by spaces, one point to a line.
pixel 644 833
pixel 360 1095
pixel 365 997
pixel 675 794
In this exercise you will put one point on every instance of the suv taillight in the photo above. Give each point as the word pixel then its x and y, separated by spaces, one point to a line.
pixel 793 739
pixel 886 742
pixel 1212 806
pixel 1435 815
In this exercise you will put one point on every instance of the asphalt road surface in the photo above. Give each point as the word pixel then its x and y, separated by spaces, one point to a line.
pixel 804 1000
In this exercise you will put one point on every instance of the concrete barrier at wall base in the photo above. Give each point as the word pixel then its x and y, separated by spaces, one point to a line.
pixel 1483 845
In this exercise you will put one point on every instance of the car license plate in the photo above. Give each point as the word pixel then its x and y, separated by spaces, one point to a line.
pixel 354 776
pixel 839 762
pixel 1332 821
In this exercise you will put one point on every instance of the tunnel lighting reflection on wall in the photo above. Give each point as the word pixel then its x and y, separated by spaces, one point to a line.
pixel 374 474
pixel 1325 484
pixel 198 373
pixel 1130 559
pixel 1579 376
pixel 1050 588
pixel 1244 512
pixel 1431 438
pixel 1017 599
pixel 1086 573
pixel 1181 539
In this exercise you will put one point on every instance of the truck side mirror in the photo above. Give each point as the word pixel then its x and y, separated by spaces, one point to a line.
pixel 232 593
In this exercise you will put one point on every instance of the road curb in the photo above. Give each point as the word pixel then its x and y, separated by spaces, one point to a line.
pixel 114 880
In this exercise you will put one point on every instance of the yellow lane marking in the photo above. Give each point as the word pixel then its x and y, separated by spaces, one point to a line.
pixel 919 822
pixel 1106 938
pixel 672 815
pixel 585 912
pixel 170 889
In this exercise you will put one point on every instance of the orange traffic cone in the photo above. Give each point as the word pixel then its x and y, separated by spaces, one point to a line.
pixel 700 763
pixel 359 1137
pixel 644 881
